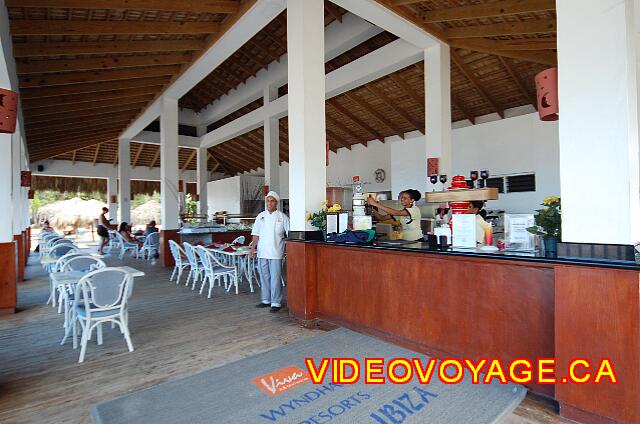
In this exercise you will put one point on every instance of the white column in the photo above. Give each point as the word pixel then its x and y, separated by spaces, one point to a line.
pixel 307 128
pixel 16 162
pixel 437 82
pixel 271 144
pixel 169 164
pixel 6 212
pixel 598 97
pixel 203 178
pixel 112 190
pixel 124 175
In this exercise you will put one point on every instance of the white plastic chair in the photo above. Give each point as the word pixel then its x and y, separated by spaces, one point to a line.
pixel 66 290
pixel 101 296
pixel 127 245
pixel 151 246
pixel 215 270
pixel 179 260
pixel 114 242
pixel 46 245
pixel 57 267
pixel 195 264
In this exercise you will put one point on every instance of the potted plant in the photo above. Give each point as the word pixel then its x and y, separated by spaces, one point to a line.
pixel 319 218
pixel 549 224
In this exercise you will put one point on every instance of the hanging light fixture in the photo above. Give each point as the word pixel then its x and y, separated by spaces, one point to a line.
pixel 547 94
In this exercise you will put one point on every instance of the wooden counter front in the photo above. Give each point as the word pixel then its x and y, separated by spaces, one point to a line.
pixel 463 307
pixel 481 307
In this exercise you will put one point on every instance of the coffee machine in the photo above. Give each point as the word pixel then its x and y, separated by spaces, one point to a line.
pixel 360 220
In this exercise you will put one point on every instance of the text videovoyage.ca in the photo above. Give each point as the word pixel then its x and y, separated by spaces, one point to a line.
pixel 452 371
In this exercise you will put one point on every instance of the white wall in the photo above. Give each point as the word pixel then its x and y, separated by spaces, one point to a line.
pixel 518 144
pixel 225 194
pixel 514 145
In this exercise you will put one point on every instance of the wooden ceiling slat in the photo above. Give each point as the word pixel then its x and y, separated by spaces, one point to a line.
pixel 57 150
pixel 21 50
pixel 476 83
pixel 50 121
pixel 192 6
pixel 335 137
pixel 70 136
pixel 95 157
pixel 69 78
pixel 90 98
pixel 60 27
pixel 85 113
pixel 485 10
pixel 521 44
pixel 343 111
pixel 81 128
pixel 92 87
pixel 97 104
pixel 396 107
pixel 156 156
pixel 526 94
pixel 77 64
pixel 538 26
pixel 75 124
pixel 68 144
pixel 188 161
pixel 92 111
pixel 354 98
pixel 134 162
pixel 458 104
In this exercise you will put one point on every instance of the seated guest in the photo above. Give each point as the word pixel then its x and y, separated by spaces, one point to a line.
pixel 151 228
pixel 126 235
pixel 46 228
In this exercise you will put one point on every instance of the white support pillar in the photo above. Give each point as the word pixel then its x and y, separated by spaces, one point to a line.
pixel 112 190
pixel 271 144
pixel 307 126
pixel 598 97
pixel 169 175
pixel 6 178
pixel 203 179
pixel 437 82
pixel 124 175
pixel 16 166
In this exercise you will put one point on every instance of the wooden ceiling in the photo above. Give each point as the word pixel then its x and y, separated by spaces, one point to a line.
pixel 497 48
pixel 88 68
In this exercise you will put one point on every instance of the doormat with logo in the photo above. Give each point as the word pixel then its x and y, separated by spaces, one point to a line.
pixel 276 387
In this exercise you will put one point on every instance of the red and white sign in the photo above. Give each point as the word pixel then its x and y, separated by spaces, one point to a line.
pixel 356 179
pixel 282 380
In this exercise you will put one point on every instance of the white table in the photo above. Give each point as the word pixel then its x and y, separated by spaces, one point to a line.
pixel 241 256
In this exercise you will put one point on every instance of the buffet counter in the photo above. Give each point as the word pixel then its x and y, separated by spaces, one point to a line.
pixel 469 304
pixel 209 235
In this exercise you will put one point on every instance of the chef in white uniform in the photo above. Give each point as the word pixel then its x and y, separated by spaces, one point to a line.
pixel 269 231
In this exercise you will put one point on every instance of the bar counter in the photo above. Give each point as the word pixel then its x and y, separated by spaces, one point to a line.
pixel 470 304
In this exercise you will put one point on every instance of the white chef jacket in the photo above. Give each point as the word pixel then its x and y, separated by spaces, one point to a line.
pixel 272 228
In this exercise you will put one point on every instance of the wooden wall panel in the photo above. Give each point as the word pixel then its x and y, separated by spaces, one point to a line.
pixel 8 278
pixel 598 316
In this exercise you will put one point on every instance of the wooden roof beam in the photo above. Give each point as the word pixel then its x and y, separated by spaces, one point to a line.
pixel 114 62
pixel 73 157
pixel 95 105
pixel 335 137
pixel 92 87
pixel 57 150
pixel 399 110
pixel 192 6
pixel 538 26
pixel 95 156
pixel 90 98
pixel 354 98
pixel 156 156
pixel 333 10
pixel 190 159
pixel 70 118
pixel 521 44
pixel 84 114
pixel 486 10
pixel 343 111
pixel 36 133
pixel 342 127
pixel 546 57
pixel 476 83
pixel 85 77
pixel 456 103
pixel 36 145
pixel 62 27
pixel 105 47
pixel 134 162
pixel 526 94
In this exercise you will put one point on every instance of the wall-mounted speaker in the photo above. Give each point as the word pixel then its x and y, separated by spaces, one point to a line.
pixel 40 168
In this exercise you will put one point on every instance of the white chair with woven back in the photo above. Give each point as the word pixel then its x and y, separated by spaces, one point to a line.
pixel 216 270
pixel 114 241
pixel 65 288
pixel 179 259
pixel 126 246
pixel 195 264
pixel 101 297
pixel 56 268
pixel 57 252
pixel 151 246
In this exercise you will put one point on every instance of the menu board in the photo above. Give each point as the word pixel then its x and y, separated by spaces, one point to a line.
pixel 464 230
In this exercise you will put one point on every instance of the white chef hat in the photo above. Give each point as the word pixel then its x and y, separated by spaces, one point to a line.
pixel 274 195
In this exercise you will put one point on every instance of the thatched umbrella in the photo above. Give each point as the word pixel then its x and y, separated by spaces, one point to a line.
pixel 76 213
pixel 146 212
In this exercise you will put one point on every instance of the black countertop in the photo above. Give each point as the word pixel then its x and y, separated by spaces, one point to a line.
pixel 417 247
